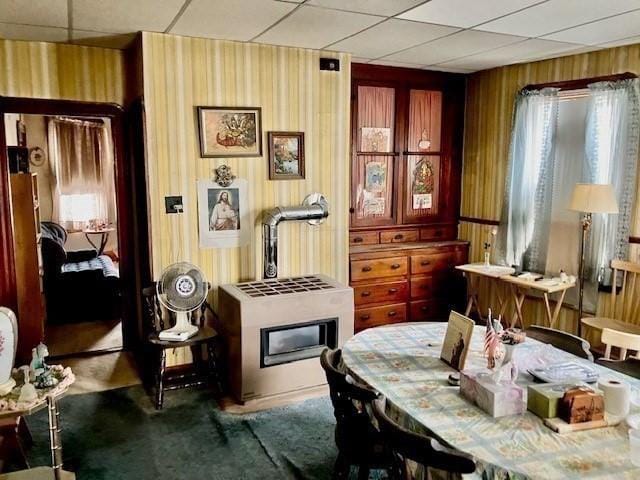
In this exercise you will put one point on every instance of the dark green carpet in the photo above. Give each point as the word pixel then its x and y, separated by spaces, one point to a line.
pixel 119 435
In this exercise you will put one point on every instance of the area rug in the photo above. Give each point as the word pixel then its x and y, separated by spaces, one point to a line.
pixel 117 434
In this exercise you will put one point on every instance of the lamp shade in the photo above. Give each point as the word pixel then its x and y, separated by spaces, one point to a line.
pixel 593 198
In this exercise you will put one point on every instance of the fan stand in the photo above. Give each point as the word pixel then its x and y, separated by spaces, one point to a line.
pixel 182 330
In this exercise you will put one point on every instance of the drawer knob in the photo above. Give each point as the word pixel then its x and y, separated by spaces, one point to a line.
pixel 365 317
pixel 437 233
pixel 358 240
pixel 424 263
pixel 392 313
pixel 399 236
pixel 366 268
pixel 395 266
pixel 366 294
pixel 425 287
pixel 424 308
pixel 393 290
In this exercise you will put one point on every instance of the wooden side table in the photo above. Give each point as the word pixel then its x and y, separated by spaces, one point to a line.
pixel 104 237
pixel 475 272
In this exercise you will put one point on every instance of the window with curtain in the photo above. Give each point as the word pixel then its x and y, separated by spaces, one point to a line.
pixel 558 140
pixel 81 153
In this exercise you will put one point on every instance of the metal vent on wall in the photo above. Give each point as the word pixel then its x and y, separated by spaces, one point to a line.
pixel 283 286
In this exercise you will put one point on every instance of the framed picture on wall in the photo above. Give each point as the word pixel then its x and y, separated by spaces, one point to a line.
pixel 223 217
pixel 230 131
pixel 286 155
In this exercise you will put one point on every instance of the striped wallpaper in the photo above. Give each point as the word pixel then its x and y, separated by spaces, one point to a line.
pixel 58 71
pixel 181 73
pixel 489 108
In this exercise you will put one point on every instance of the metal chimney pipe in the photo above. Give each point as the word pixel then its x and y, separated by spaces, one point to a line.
pixel 314 209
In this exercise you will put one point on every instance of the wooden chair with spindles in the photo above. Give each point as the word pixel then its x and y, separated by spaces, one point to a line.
pixel 623 341
pixel 622 310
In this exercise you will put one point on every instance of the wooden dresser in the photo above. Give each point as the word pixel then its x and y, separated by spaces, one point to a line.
pixel 405 194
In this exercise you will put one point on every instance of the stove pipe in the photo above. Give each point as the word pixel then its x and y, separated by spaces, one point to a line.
pixel 314 210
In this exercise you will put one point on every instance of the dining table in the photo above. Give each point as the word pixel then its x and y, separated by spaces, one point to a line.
pixel 402 362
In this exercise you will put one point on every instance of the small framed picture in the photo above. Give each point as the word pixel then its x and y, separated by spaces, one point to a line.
pixel 286 155
pixel 230 131
pixel 223 214
pixel 457 340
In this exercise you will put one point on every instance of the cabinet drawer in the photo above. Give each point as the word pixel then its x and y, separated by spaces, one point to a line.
pixel 433 262
pixel 379 267
pixel 363 238
pixel 423 288
pixel 381 293
pixel 448 232
pixel 424 310
pixel 376 316
pixel 399 236
pixel 430 286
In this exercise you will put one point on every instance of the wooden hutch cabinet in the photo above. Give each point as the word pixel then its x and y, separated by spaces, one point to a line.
pixel 405 198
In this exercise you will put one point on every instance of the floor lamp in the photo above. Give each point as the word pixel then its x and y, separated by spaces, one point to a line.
pixel 590 198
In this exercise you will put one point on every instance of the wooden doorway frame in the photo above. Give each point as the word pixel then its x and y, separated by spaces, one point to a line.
pixel 132 252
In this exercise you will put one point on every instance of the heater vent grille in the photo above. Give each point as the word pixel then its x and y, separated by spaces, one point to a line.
pixel 284 286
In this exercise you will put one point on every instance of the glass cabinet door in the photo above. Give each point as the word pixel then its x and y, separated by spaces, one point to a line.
pixel 374 202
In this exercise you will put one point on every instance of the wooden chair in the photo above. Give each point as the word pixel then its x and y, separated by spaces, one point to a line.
pixel 358 442
pixel 428 451
pixel 630 366
pixel 206 371
pixel 561 340
pixel 623 341
pixel 622 309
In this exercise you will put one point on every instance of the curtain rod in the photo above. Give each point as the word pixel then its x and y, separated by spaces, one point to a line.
pixel 580 82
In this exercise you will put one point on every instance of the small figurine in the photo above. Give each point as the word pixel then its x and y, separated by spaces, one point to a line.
pixel 28 392
pixel 40 372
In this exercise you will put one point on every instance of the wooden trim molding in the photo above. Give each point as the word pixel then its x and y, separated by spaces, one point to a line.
pixel 480 221
pixel 8 294
pixel 580 82
pixel 634 239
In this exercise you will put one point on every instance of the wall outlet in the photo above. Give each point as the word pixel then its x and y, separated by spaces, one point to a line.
pixel 173 204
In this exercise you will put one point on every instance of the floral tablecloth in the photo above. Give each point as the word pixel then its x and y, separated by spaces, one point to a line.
pixel 402 362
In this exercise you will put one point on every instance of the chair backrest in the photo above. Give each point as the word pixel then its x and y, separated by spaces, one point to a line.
pixel 623 304
pixel 630 366
pixel 561 340
pixel 158 318
pixel 342 389
pixel 423 449
pixel 624 341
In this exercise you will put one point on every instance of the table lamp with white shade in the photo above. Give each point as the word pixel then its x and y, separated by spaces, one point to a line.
pixel 590 198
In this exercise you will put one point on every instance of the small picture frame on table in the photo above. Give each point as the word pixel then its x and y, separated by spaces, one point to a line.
pixel 286 155
pixel 457 340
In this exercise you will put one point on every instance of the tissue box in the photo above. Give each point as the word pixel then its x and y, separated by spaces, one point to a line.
pixel 543 399
pixel 498 400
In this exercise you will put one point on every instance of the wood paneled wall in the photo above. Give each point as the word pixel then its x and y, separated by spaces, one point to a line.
pixel 59 71
pixel 489 111
pixel 181 73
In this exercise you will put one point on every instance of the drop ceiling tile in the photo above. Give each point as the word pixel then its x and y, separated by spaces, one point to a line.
pixel 313 27
pixel 464 13
pixel 602 31
pixel 621 42
pixel 360 60
pixel 49 13
pixel 36 34
pixel 557 15
pixel 386 8
pixel 526 51
pixel 228 19
pixel 391 36
pixel 100 39
pixel 124 15
pixel 390 63
pixel 467 42
pixel 441 68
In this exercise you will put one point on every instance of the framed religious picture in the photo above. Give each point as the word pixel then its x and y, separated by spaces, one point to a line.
pixel 223 214
pixel 286 155
pixel 457 340
pixel 230 131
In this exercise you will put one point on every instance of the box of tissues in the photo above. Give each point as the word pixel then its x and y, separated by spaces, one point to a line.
pixel 497 399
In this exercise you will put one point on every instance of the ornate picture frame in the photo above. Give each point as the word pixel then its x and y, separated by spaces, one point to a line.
pixel 286 155
pixel 229 131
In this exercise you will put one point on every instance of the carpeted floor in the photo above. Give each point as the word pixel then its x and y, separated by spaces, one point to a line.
pixel 117 434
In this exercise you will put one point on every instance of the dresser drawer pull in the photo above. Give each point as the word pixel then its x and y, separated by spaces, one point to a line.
pixel 366 268
pixel 392 313
pixel 424 263
pixel 393 290
pixel 437 233
pixel 358 240
pixel 366 294
pixel 425 287
pixel 399 236
pixel 395 266
pixel 365 317
pixel 424 308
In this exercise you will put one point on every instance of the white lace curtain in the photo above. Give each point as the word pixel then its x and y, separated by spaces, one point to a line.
pixel 82 163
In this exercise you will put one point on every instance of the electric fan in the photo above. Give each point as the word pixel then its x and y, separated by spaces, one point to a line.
pixel 181 289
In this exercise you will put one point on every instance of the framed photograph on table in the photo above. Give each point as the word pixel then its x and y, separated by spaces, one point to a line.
pixel 230 131
pixel 286 155
pixel 223 216
pixel 457 340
